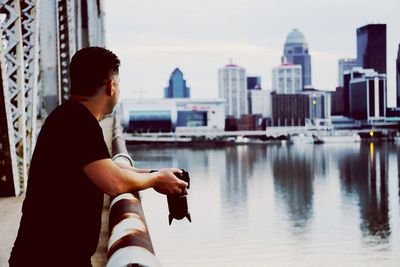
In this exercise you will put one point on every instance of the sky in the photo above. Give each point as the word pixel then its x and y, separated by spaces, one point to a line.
pixel 153 37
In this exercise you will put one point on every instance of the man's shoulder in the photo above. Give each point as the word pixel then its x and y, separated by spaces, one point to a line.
pixel 72 113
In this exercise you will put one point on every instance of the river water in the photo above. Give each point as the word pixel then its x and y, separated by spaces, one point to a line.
pixel 279 205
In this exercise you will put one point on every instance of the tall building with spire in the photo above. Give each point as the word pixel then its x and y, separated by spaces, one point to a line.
pixel 233 88
pixel 296 52
pixel 177 86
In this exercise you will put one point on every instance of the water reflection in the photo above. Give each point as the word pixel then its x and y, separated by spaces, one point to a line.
pixel 293 173
pixel 328 205
pixel 234 191
pixel 365 174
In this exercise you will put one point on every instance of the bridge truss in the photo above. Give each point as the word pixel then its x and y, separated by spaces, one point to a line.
pixel 35 51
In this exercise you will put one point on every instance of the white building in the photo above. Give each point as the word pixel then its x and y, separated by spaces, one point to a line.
pixel 233 88
pixel 286 79
pixel 345 64
pixel 167 115
pixel 260 102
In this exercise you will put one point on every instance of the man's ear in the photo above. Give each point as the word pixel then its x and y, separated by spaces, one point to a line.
pixel 109 88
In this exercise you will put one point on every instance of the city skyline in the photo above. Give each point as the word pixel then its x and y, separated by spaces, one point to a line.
pixel 201 37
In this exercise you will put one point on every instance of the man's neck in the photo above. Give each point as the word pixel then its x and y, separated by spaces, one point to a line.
pixel 91 103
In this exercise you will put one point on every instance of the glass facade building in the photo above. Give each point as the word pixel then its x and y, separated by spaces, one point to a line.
pixel 296 52
pixel 371 47
pixel 177 86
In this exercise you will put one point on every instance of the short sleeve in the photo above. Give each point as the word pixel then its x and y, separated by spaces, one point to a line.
pixel 87 143
pixel 92 147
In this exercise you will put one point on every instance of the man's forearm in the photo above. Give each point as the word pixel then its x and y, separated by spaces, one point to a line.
pixel 128 167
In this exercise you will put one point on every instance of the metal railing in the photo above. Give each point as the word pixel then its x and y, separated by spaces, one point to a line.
pixel 129 243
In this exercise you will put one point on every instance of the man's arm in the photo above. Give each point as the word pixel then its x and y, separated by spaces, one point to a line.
pixel 113 180
pixel 127 166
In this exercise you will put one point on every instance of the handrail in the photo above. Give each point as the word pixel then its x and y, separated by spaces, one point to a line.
pixel 129 243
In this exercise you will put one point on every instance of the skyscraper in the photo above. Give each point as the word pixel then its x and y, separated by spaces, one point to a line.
pixel 345 64
pixel 371 47
pixel 367 95
pixel 177 86
pixel 296 52
pixel 398 77
pixel 287 79
pixel 233 88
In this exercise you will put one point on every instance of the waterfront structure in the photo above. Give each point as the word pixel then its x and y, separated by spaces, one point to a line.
pixel 310 107
pixel 177 86
pixel 345 64
pixel 367 95
pixel 253 83
pixel 173 114
pixel 260 103
pixel 398 76
pixel 371 47
pixel 233 88
pixel 287 79
pixel 296 52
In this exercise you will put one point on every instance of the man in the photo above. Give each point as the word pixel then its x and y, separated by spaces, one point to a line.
pixel 71 169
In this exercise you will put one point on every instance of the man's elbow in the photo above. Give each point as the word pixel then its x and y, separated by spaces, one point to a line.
pixel 115 189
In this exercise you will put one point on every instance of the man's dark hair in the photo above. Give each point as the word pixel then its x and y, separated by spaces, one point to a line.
pixel 90 68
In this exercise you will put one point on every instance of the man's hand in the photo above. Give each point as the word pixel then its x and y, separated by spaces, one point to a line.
pixel 167 183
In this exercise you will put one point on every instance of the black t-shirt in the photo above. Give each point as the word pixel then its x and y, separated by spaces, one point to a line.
pixel 61 214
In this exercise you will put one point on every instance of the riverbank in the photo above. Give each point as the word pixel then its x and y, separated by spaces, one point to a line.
pixel 282 140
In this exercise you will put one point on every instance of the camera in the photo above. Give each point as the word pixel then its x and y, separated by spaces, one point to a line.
pixel 177 204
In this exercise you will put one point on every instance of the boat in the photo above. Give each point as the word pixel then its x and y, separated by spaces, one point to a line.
pixel 300 138
pixel 338 137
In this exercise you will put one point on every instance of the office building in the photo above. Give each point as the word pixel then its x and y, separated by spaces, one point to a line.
pixel 337 102
pixel 233 88
pixel 367 96
pixel 177 86
pixel 310 107
pixel 286 79
pixel 260 103
pixel 398 76
pixel 296 52
pixel 345 64
pixel 371 47
pixel 319 105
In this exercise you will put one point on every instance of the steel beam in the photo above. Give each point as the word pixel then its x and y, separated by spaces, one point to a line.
pixel 29 13
pixel 64 46
pixel 14 96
